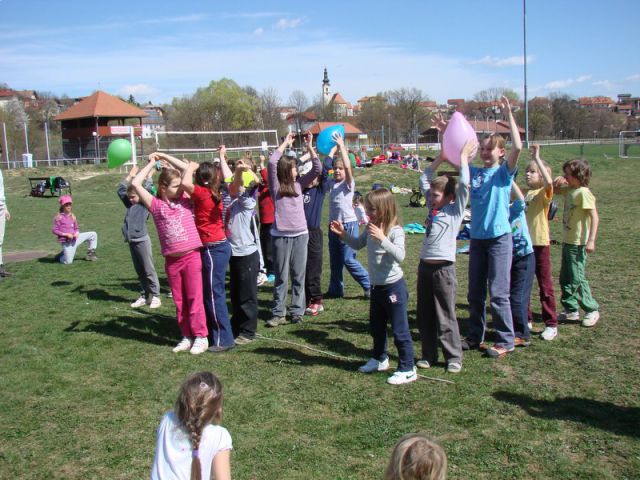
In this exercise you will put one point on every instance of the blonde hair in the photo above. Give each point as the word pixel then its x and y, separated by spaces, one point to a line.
pixel 494 140
pixel 533 167
pixel 199 403
pixel 417 457
pixel 381 202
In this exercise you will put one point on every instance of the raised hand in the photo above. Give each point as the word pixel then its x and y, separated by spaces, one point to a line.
pixel 337 228
pixel 376 232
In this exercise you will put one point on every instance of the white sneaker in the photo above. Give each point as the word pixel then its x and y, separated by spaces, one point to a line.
pixel 398 378
pixel 262 278
pixel 155 302
pixel 454 367
pixel 590 319
pixel 374 365
pixel 200 345
pixel 184 345
pixel 530 324
pixel 423 364
pixel 549 333
pixel 140 302
pixel 568 316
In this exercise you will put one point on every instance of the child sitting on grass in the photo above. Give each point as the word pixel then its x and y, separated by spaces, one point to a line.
pixel 384 240
pixel 190 443
pixel 134 230
pixel 580 227
pixel 538 200
pixel 417 457
pixel 66 228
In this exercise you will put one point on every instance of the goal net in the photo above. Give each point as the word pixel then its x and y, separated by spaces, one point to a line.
pixel 205 144
pixel 629 144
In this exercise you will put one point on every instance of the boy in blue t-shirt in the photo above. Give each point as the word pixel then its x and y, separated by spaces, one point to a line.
pixel 491 245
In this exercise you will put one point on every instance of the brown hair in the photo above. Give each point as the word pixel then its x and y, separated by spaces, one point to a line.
pixel 199 403
pixel 495 140
pixel 208 176
pixel 381 202
pixel 166 177
pixel 445 184
pixel 580 169
pixel 131 189
pixel 417 457
pixel 285 177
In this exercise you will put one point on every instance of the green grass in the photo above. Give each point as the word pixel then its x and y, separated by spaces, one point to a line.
pixel 85 379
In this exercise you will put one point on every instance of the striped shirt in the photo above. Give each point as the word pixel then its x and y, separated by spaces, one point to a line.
pixel 175 225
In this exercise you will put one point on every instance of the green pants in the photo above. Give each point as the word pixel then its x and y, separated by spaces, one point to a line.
pixel 573 282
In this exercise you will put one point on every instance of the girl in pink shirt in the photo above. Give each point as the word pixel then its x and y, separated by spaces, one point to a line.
pixel 65 227
pixel 180 244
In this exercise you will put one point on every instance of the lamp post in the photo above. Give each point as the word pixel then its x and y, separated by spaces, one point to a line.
pixel 95 145
pixel 526 103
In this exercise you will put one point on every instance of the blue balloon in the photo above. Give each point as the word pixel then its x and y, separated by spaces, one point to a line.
pixel 325 140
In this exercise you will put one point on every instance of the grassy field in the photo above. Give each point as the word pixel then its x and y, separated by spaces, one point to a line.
pixel 85 379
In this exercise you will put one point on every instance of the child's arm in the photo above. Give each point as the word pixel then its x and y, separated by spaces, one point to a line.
pixel 466 155
pixel 145 197
pixel 176 163
pixel 221 465
pixel 560 185
pixel 354 242
pixel 516 143
pixel 187 177
pixel 316 168
pixel 344 153
pixel 224 166
pixel 590 247
pixel 517 193
pixel 394 247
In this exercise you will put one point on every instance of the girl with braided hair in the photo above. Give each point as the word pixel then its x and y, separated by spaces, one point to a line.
pixel 190 443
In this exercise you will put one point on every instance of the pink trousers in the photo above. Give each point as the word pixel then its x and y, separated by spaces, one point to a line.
pixel 185 279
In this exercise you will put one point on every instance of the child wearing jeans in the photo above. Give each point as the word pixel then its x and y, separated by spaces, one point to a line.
pixel 491 245
pixel 66 228
pixel 522 269
pixel 538 200
pixel 134 230
pixel 384 240
pixel 437 281
pixel 580 227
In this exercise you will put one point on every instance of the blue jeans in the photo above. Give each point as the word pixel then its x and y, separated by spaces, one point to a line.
pixel 490 262
pixel 342 255
pixel 523 270
pixel 215 259
pixel 389 302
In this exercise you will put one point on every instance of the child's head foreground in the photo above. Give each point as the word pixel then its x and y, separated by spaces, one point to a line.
pixel 492 149
pixel 533 175
pixel 417 457
pixel 208 176
pixel 169 184
pixel 577 172
pixel 199 404
pixel 442 191
pixel 66 204
pixel 381 208
pixel 287 171
pixel 132 194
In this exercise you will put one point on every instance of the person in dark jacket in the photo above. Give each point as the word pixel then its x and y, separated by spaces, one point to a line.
pixel 134 230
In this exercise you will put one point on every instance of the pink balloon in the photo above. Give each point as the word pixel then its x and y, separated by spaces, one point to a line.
pixel 458 132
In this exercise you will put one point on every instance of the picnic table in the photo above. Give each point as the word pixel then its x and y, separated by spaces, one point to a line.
pixel 55 185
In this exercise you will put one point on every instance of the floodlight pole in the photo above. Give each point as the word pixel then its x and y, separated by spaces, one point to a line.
pixel 526 102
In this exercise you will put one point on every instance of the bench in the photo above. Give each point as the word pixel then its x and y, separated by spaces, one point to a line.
pixel 55 185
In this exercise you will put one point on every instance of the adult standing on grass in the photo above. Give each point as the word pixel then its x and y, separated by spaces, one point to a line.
pixel 4 217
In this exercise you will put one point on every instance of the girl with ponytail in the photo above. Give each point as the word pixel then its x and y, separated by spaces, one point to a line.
pixel 190 443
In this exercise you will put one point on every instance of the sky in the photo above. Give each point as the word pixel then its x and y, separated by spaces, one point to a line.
pixel 156 50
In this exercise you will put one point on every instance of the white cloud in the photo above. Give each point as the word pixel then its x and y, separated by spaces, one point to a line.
pixel 633 77
pixel 502 62
pixel 583 78
pixel 557 84
pixel 606 84
pixel 251 15
pixel 140 91
pixel 258 31
pixel 286 23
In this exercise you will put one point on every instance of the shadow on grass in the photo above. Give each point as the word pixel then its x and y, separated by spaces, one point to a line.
pixel 155 329
pixel 603 415
pixel 321 340
pixel 61 283
pixel 306 357
pixel 354 326
pixel 101 294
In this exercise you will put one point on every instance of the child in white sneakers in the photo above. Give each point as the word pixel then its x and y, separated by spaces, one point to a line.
pixel 134 230
pixel 580 227
pixel 538 200
pixel 384 239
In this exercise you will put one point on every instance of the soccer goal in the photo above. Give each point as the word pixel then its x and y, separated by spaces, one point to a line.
pixel 206 144
pixel 629 144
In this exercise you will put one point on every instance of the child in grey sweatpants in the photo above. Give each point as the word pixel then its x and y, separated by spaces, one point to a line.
pixel 437 282
pixel 134 230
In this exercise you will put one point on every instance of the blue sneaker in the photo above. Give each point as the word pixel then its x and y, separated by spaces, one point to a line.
pixel 271 278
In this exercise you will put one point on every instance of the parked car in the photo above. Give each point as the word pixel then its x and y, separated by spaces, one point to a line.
pixel 395 146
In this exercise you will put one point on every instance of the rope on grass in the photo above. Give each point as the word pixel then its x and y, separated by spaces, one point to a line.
pixel 334 355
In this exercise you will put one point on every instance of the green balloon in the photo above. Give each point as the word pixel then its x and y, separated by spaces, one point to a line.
pixel 118 153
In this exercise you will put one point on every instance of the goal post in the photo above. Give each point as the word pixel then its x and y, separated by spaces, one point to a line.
pixel 197 142
pixel 629 144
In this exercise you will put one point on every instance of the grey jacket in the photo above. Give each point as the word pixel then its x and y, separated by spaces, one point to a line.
pixel 134 228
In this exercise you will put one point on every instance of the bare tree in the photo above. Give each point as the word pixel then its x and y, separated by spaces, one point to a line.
pixel 300 102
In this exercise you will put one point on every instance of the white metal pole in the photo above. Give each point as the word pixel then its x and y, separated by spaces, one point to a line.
pixel 46 137
pixel 26 137
pixel 526 102
pixel 133 146
pixel 6 145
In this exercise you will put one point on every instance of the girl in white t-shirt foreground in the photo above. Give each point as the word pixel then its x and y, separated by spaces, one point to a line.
pixel 190 444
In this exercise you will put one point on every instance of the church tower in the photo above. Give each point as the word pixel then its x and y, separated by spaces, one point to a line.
pixel 326 90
